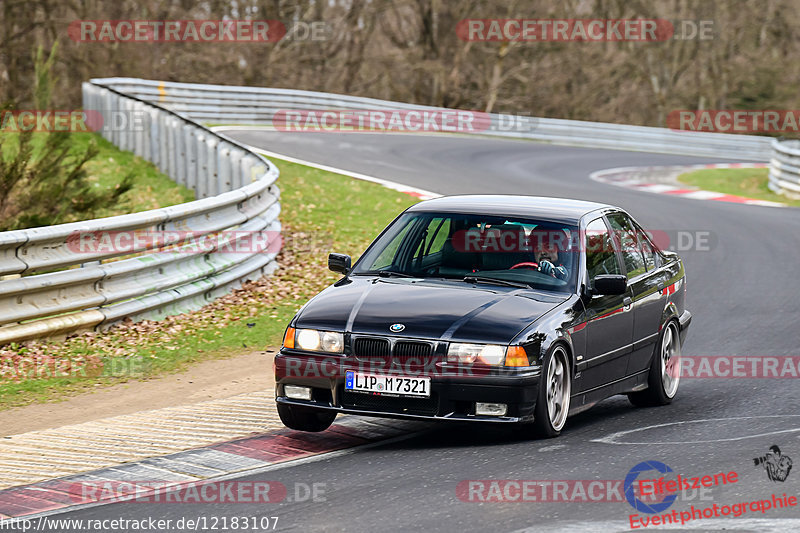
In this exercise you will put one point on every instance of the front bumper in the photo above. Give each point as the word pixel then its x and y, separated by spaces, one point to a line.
pixel 454 389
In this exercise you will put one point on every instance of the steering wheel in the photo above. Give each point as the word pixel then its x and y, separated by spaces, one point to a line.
pixel 532 266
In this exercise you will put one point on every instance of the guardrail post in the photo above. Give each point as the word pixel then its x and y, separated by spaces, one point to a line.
pixel 122 113
pixel 224 163
pixel 210 183
pixel 201 178
pixel 192 167
pixel 105 105
pixel 139 125
pixel 172 152
pixel 163 146
pixel 180 153
pixel 153 137
pixel 237 177
pixel 115 135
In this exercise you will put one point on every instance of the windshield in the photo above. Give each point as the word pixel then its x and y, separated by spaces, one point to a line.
pixel 476 248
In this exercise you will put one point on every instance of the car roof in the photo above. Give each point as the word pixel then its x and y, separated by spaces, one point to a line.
pixel 540 207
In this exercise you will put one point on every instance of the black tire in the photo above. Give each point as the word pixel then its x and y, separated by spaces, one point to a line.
pixel 548 422
pixel 640 398
pixel 658 392
pixel 305 418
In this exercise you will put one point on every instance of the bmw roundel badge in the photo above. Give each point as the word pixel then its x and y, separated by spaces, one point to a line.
pixel 397 327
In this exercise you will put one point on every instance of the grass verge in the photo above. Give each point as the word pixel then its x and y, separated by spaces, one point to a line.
pixel 151 188
pixel 747 182
pixel 321 212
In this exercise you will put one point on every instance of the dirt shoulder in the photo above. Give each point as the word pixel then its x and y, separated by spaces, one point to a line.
pixel 208 380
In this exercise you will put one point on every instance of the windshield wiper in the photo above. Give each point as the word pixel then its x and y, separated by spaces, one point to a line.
pixel 391 273
pixel 503 282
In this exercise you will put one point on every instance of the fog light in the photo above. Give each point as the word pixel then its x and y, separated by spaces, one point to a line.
pixel 298 393
pixel 490 409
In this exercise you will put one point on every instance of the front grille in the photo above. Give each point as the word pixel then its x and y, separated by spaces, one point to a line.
pixel 371 347
pixel 412 349
pixel 388 404
pixel 381 347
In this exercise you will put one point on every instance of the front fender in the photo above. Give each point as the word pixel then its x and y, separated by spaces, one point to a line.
pixel 563 324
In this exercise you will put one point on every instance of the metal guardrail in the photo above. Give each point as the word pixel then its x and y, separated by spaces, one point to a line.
pixel 784 168
pixel 58 285
pixel 253 105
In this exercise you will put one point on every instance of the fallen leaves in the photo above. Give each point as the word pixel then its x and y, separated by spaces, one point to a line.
pixel 302 272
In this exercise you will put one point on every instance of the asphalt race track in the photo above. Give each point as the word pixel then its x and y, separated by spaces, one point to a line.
pixel 744 298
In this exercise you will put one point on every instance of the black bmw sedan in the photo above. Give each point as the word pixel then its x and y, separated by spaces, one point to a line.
pixel 506 309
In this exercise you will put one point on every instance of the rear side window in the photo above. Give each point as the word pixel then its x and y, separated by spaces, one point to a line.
pixel 629 244
pixel 600 255
pixel 647 251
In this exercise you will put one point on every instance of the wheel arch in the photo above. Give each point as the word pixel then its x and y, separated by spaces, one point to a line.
pixel 567 345
pixel 670 313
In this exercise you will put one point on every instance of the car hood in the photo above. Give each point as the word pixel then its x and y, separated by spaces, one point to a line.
pixel 427 309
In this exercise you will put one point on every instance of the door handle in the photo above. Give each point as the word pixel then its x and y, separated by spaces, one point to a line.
pixel 662 285
pixel 627 303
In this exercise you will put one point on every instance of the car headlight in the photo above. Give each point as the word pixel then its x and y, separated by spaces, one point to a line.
pixel 488 354
pixel 319 341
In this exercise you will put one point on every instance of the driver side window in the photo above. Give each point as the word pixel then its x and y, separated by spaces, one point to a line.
pixel 600 255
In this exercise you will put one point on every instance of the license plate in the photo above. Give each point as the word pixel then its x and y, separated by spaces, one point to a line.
pixel 387 385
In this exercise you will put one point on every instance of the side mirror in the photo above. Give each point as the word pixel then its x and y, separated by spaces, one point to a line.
pixel 339 263
pixel 609 284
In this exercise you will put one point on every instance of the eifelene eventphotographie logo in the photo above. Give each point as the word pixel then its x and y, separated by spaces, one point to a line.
pixel 776 464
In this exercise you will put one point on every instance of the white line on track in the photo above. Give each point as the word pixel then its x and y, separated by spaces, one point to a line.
pixel 613 437
pixel 421 193
pixel 551 447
